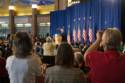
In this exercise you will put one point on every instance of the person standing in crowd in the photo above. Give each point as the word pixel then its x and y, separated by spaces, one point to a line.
pixel 49 47
pixel 107 66
pixel 3 72
pixel 23 66
pixel 38 49
pixel 63 71
pixel 79 62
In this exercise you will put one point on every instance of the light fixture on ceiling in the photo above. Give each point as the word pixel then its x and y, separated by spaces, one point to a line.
pixel 34 6
pixel 11 7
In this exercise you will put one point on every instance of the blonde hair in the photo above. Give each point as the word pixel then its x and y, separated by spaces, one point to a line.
pixel 111 38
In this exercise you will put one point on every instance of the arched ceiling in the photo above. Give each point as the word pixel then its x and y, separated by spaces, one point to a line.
pixel 23 7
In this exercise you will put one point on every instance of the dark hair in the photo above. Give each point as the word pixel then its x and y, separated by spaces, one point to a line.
pixel 23 44
pixel 65 56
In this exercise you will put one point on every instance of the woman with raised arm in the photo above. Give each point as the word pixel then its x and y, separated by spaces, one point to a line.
pixel 107 66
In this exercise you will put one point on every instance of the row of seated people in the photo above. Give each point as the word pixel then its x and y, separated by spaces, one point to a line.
pixel 106 66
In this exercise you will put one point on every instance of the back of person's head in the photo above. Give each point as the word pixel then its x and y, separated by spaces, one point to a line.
pixel 65 56
pixel 49 39
pixel 111 38
pixel 78 58
pixel 23 45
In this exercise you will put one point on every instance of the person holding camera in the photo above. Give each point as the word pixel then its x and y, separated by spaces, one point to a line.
pixel 107 66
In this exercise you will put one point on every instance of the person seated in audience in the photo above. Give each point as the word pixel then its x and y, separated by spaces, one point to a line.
pixel 3 72
pixel 63 71
pixel 49 47
pixel 24 66
pixel 107 66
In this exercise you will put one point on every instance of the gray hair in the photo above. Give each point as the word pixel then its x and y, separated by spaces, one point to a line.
pixel 78 57
pixel 111 38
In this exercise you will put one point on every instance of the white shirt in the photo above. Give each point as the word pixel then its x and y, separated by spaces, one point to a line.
pixel 23 70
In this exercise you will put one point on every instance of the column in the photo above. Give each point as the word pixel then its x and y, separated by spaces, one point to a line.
pixel 61 4
pixel 11 20
pixel 34 20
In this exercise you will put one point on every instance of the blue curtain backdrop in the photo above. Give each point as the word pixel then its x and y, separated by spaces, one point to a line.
pixel 95 14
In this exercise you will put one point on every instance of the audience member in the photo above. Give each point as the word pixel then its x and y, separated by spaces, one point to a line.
pixel 3 72
pixel 49 47
pixel 63 71
pixel 38 49
pixel 79 62
pixel 85 48
pixel 7 50
pixel 81 47
pixel 107 66
pixel 23 66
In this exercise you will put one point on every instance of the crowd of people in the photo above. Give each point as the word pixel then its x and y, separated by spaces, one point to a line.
pixel 23 60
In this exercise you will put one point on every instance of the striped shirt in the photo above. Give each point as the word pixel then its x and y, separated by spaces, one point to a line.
pixel 59 74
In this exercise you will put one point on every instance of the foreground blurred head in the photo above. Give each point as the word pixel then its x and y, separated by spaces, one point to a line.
pixel 65 56
pixel 23 45
pixel 78 58
pixel 111 39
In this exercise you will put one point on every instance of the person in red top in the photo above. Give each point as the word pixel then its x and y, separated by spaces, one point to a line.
pixel 107 66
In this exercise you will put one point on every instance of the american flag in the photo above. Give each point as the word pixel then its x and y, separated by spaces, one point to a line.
pixel 90 30
pixel 84 35
pixel 74 35
pixel 68 37
pixel 79 34
pixel 90 35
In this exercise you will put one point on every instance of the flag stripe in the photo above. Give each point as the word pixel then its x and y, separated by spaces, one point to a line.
pixel 68 37
pixel 90 35
pixel 79 35
pixel 74 35
pixel 84 35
